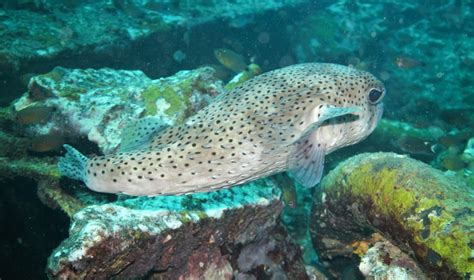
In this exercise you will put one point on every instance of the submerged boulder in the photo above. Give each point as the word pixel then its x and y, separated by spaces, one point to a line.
pixel 423 211
pixel 219 235
pixel 98 103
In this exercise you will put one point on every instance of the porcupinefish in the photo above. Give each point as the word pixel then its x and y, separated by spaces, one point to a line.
pixel 284 120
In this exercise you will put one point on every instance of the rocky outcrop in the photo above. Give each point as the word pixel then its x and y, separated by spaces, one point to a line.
pixel 97 104
pixel 424 212
pixel 219 235
pixel 134 34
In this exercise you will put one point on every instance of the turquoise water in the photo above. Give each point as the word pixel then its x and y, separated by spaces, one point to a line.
pixel 76 71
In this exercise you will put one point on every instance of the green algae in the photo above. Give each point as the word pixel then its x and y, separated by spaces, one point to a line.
pixel 5 113
pixel 12 146
pixel 414 198
pixel 171 96
pixel 71 93
pixel 175 95
pixel 382 192
pixel 31 168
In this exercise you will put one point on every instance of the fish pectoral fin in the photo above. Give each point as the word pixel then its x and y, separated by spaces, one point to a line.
pixel 306 160
pixel 138 134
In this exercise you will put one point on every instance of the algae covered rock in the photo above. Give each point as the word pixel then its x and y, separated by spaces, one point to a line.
pixel 201 236
pixel 98 103
pixel 421 210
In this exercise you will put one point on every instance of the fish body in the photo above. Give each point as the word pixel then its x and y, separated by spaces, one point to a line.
pixel 230 60
pixel 33 114
pixel 415 146
pixel 408 62
pixel 46 143
pixel 284 120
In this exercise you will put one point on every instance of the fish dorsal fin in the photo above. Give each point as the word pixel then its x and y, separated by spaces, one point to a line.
pixel 138 134
pixel 306 160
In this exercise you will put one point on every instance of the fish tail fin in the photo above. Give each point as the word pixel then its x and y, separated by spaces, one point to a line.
pixel 73 164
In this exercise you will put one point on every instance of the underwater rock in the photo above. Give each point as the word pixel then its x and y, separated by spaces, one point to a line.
pixel 46 174
pixel 421 210
pixel 468 154
pixel 391 129
pixel 97 104
pixel 33 168
pixel 52 195
pixel 67 33
pixel 200 236
pixel 315 273
pixel 386 261
pixel 11 145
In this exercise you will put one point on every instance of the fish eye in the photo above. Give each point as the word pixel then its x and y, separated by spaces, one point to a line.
pixel 375 95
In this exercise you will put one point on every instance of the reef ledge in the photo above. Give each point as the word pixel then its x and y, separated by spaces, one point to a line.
pixel 228 234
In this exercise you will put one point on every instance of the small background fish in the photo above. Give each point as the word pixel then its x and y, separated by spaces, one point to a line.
pixel 230 60
pixel 46 143
pixel 33 114
pixel 288 189
pixel 403 61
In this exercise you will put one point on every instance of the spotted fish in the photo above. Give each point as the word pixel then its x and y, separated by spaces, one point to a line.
pixel 284 120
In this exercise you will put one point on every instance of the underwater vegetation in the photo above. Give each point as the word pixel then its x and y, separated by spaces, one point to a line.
pixel 397 205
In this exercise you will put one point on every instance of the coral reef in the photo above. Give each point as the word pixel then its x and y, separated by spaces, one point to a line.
pixel 422 51
pixel 39 36
pixel 98 103
pixel 423 211
pixel 375 36
pixel 187 237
